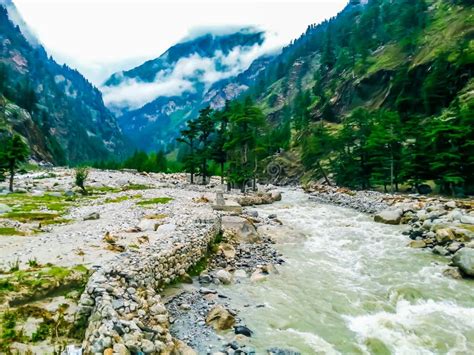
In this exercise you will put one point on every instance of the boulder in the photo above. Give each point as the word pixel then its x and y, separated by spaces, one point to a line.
pixel 224 276
pixel 444 235
pixel 450 204
pixel 466 219
pixel 220 318
pixel 389 217
pixel 276 196
pixel 464 260
pixel 242 229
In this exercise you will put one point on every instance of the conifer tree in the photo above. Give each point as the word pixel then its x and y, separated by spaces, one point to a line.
pixel 13 152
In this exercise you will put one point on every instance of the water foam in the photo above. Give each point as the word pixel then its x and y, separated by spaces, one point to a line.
pixel 407 331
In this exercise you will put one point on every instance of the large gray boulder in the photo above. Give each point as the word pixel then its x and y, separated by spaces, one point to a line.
pixel 389 217
pixel 467 219
pixel 241 228
pixel 464 260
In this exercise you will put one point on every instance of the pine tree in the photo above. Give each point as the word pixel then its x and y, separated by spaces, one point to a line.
pixel 219 153
pixel 246 121
pixel 189 138
pixel 13 152
pixel 205 127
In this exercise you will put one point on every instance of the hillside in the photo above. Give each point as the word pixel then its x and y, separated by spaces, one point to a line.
pixel 411 58
pixel 155 99
pixel 60 113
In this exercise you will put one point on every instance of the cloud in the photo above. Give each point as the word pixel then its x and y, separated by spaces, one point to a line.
pixel 186 73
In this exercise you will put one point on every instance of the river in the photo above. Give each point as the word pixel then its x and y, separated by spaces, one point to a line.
pixel 353 287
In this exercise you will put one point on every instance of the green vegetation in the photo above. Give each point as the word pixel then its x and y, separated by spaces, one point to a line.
pixel 140 161
pixel 10 231
pixel 80 177
pixel 379 96
pixel 234 139
pixel 121 198
pixel 155 201
pixel 38 282
pixel 13 152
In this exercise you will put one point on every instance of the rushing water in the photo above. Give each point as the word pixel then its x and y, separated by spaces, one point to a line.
pixel 353 287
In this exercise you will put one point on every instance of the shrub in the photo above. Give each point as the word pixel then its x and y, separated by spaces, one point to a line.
pixel 81 175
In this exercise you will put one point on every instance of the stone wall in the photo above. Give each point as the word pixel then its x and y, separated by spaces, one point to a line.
pixel 121 302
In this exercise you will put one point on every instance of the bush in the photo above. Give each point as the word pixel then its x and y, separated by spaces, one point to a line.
pixel 81 175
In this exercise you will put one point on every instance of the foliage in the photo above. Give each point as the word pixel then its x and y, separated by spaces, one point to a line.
pixel 13 153
pixel 80 177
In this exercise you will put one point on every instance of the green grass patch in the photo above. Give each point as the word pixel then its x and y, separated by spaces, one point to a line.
pixel 135 187
pixel 39 281
pixel 27 208
pixel 450 25
pixel 121 198
pixel 389 58
pixel 10 231
pixel 25 217
pixel 155 201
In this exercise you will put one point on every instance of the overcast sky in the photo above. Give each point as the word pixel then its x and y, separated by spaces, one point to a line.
pixel 100 37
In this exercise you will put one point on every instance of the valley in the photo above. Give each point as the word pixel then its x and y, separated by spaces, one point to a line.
pixel 239 188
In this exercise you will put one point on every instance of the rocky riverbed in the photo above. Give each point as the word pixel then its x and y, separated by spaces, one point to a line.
pixel 122 244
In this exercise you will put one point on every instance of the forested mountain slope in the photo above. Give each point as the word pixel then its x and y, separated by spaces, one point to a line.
pixel 154 100
pixel 54 107
pixel 381 93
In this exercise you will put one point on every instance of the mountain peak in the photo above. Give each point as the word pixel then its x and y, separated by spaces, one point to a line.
pixel 191 66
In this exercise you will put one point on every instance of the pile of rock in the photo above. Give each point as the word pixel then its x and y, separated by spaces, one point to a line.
pixel 259 198
pixel 363 201
pixel 126 314
pixel 445 226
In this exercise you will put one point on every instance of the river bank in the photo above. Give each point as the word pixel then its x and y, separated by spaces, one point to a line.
pixel 121 244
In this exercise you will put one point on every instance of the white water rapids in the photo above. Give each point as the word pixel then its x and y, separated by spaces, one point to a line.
pixel 353 287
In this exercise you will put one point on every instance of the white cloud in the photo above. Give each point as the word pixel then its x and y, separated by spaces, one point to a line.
pixel 133 94
pixel 99 37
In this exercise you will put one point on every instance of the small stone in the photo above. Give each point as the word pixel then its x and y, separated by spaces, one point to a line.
pixel 417 244
pixel 121 349
pixel 453 272
pixel 92 216
pixel 147 346
pixel 440 250
pixel 206 291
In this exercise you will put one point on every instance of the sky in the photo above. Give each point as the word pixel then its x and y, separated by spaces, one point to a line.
pixel 101 37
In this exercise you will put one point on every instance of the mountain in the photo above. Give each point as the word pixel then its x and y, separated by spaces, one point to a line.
pixel 155 99
pixel 54 107
pixel 411 58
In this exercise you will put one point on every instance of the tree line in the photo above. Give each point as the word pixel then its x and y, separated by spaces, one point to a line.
pixel 235 139
pixel 140 161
